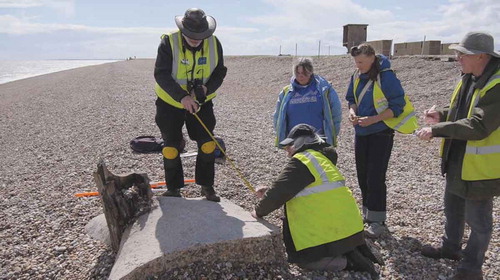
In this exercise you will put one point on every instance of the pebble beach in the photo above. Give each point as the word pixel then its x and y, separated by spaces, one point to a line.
pixel 56 127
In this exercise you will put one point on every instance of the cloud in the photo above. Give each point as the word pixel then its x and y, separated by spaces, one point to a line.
pixel 449 24
pixel 23 26
pixel 288 24
pixel 311 15
pixel 65 7
pixel 20 3
pixel 301 22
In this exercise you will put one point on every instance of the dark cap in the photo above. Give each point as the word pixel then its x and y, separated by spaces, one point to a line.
pixel 301 135
pixel 195 24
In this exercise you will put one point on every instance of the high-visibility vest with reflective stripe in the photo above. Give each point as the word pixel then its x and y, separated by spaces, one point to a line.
pixel 405 123
pixel 482 157
pixel 324 211
pixel 204 62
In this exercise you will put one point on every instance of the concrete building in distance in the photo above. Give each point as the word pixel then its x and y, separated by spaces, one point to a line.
pixel 445 50
pixel 382 46
pixel 354 34
pixel 432 47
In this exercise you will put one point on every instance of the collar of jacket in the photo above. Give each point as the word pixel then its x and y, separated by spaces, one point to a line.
pixel 490 69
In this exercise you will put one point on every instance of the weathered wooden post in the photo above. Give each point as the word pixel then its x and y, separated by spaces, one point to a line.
pixel 124 198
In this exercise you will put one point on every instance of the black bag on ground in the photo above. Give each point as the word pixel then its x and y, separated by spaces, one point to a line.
pixel 146 144
pixel 151 144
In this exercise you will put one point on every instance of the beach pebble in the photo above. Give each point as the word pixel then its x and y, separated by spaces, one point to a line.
pixel 57 127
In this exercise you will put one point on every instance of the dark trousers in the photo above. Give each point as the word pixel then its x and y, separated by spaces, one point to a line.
pixel 478 214
pixel 170 120
pixel 372 158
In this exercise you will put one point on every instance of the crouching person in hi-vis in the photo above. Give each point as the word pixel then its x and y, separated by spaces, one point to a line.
pixel 189 68
pixel 323 227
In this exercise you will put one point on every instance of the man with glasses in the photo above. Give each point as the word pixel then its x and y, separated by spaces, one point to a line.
pixel 189 69
pixel 470 154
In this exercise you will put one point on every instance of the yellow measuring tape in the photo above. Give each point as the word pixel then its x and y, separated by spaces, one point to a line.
pixel 249 186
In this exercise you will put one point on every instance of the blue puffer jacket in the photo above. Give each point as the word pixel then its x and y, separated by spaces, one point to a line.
pixel 332 111
pixel 392 89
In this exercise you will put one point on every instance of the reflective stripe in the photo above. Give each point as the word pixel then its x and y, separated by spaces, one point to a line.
pixel 175 54
pixel 175 58
pixel 381 108
pixel 317 166
pixel 326 184
pixel 403 121
pixel 321 188
pixel 363 92
pixel 482 150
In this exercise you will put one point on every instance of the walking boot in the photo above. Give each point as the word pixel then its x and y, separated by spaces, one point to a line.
pixel 440 253
pixel 172 192
pixel 466 275
pixel 209 193
pixel 375 229
pixel 358 262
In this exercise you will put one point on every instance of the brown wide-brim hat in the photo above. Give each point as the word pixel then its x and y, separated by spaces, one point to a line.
pixel 195 24
pixel 476 43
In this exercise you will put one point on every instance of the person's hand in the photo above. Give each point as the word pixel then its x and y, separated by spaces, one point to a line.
pixel 424 133
pixel 367 121
pixel 189 104
pixel 431 116
pixel 260 191
pixel 353 118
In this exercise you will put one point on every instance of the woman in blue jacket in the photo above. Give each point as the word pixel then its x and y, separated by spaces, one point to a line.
pixel 309 99
pixel 373 85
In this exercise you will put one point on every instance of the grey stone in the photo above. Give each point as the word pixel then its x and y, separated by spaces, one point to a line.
pixel 180 231
pixel 98 229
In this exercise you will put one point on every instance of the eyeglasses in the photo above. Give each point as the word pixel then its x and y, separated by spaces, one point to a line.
pixel 460 55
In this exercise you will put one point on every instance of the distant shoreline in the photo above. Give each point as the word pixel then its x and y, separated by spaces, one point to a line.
pixel 14 70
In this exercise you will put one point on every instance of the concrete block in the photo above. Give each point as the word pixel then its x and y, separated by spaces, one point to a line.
pixel 180 231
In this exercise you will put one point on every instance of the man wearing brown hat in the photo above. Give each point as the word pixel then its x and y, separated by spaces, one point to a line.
pixel 189 69
pixel 470 128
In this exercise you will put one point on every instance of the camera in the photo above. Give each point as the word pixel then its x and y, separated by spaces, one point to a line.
pixel 197 86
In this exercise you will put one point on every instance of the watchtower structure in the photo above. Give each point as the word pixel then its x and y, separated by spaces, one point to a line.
pixel 354 34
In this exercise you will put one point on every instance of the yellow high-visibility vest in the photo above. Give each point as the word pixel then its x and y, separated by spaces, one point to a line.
pixel 186 67
pixel 481 156
pixel 324 211
pixel 405 123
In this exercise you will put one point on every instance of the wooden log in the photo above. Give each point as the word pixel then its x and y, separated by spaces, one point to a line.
pixel 124 198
